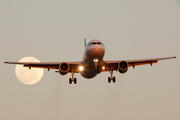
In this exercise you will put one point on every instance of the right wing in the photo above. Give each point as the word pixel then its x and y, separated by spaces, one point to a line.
pixel 133 63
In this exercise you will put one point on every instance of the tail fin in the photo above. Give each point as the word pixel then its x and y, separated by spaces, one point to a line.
pixel 85 42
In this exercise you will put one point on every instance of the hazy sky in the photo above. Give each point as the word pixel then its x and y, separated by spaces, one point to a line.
pixel 53 31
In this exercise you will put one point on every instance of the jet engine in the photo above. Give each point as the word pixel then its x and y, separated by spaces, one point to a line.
pixel 123 66
pixel 64 68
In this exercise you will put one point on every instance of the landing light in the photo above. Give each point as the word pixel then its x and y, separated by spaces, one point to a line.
pixel 95 60
pixel 80 68
pixel 103 67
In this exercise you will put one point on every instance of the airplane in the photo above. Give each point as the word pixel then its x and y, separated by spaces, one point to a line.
pixel 92 63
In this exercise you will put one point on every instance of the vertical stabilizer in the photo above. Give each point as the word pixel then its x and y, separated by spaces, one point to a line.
pixel 85 42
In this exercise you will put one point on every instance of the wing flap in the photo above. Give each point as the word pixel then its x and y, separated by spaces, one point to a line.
pixel 47 65
pixel 133 64
pixel 41 66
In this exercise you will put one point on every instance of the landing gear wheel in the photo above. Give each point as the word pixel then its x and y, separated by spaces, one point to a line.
pixel 75 80
pixel 109 79
pixel 114 79
pixel 70 81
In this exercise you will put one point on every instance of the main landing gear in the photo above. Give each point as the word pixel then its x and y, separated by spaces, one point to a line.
pixel 72 79
pixel 111 78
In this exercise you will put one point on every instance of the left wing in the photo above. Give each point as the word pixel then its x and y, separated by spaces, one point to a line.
pixel 133 63
pixel 48 65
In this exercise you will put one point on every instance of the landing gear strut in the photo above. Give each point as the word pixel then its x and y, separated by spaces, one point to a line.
pixel 72 79
pixel 111 78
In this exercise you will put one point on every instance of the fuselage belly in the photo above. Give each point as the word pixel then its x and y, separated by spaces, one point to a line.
pixel 95 50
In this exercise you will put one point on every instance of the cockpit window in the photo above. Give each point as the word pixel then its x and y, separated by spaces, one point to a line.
pixel 94 43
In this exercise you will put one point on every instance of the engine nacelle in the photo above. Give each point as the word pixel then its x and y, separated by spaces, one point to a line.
pixel 123 66
pixel 64 68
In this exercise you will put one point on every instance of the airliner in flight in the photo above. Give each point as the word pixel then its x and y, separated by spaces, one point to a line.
pixel 92 63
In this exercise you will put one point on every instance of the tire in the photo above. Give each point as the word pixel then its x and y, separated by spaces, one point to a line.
pixel 70 81
pixel 109 80
pixel 75 80
pixel 114 79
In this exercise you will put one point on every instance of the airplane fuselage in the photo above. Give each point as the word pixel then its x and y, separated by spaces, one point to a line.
pixel 93 59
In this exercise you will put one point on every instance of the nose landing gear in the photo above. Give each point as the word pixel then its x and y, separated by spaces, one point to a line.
pixel 95 63
pixel 111 78
pixel 72 79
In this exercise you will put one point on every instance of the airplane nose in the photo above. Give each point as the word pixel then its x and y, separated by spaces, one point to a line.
pixel 96 52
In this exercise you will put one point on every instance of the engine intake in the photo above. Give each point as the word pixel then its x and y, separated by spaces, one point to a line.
pixel 64 68
pixel 123 66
